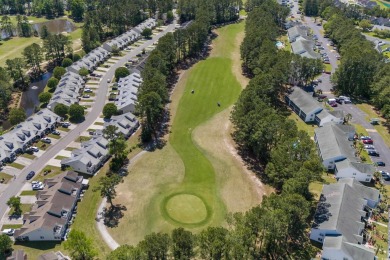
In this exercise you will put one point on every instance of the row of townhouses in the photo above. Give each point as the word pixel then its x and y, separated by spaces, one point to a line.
pixel 23 135
pixel 335 141
pixel 301 42
pixel 310 110
pixel 127 92
pixel 49 217
pixel 341 218
pixel 70 88
pixel 94 153
pixel 67 91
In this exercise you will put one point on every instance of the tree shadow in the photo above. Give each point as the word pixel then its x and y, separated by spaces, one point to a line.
pixel 113 214
pixel 77 120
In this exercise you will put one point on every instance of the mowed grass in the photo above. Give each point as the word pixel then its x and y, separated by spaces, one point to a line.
pixel 184 166
pixel 12 48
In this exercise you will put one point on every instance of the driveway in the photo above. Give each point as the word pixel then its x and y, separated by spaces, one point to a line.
pixel 38 164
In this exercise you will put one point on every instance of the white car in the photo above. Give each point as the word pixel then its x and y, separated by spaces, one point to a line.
pixel 88 90
pixel 34 149
pixel 108 80
pixel 9 231
pixel 369 146
pixel 86 96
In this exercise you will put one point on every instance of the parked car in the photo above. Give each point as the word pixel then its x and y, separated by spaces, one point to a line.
pixel 30 175
pixel 365 137
pixel 347 101
pixel 55 132
pixel 380 163
pixel 108 80
pixel 33 149
pixel 369 146
pixel 88 90
pixel 326 61
pixel 369 141
pixel 65 124
pixel 86 96
pixel 46 140
pixel 373 153
pixel 38 186
pixel 8 231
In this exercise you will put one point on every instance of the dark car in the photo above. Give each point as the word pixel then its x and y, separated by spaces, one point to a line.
pixel 380 164
pixel 30 175
pixel 373 153
pixel 55 132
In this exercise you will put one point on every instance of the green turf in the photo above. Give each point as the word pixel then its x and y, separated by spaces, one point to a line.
pixel 213 82
pixel 17 165
pixel 5 176
pixel 28 193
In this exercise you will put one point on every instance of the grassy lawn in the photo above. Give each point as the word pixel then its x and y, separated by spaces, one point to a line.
pixel 374 35
pixel 328 67
pixel 17 165
pixel 41 145
pixel 309 128
pixel 28 193
pixel 316 187
pixel 382 130
pixel 382 4
pixel 25 208
pixel 54 171
pixel 192 167
pixel 287 44
pixel 98 123
pixel 60 157
pixel 5 176
pixel 13 48
pixel 81 139
pixel 28 156
pixel 6 226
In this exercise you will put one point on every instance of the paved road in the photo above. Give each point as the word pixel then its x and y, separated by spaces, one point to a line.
pixel 38 164
pixel 358 116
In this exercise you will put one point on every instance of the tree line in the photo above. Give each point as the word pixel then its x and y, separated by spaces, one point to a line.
pixel 172 49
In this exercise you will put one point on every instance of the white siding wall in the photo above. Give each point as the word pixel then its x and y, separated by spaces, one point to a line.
pixel 351 172
pixel 334 254
pixel 42 234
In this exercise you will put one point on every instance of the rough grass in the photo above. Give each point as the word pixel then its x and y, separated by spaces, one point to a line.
pixel 184 166
pixel 309 128
pixel 25 208
pixel 6 226
pixel 54 171
pixel 28 156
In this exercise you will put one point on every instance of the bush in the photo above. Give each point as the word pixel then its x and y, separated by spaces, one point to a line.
pixel 121 72
pixel 44 97
pixel 147 33
pixel 61 110
pixel 83 72
pixel 52 83
pixel 66 62
pixel 76 112
pixel 17 115
pixel 109 110
pixel 76 57
pixel 58 72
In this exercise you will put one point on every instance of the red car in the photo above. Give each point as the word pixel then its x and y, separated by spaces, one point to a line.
pixel 333 104
pixel 368 141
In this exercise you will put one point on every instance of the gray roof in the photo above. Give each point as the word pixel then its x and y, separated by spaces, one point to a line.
pixel 364 191
pixel 341 208
pixel 355 251
pixel 332 140
pixel 304 48
pixel 304 100
pixel 297 31
pixel 337 113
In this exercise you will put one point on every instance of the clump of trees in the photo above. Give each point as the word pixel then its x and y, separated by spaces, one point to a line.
pixel 109 110
pixel 76 112
pixel 16 116
pixel 121 72
pixel 16 205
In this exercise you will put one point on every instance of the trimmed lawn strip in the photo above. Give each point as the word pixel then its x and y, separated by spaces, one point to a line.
pixel 14 226
pixel 17 165
pixel 316 187
pixel 54 136
pixel 63 129
pixel 41 145
pixel 60 157
pixel 28 156
pixel 98 123
pixel 5 176
pixel 28 193
pixel 70 148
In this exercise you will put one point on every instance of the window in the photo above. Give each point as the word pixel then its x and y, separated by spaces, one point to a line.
pixel 354 174
pixel 367 179
pixel 321 235
pixel 320 239
pixel 42 237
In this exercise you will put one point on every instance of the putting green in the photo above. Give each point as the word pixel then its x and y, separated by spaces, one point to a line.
pixel 186 209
